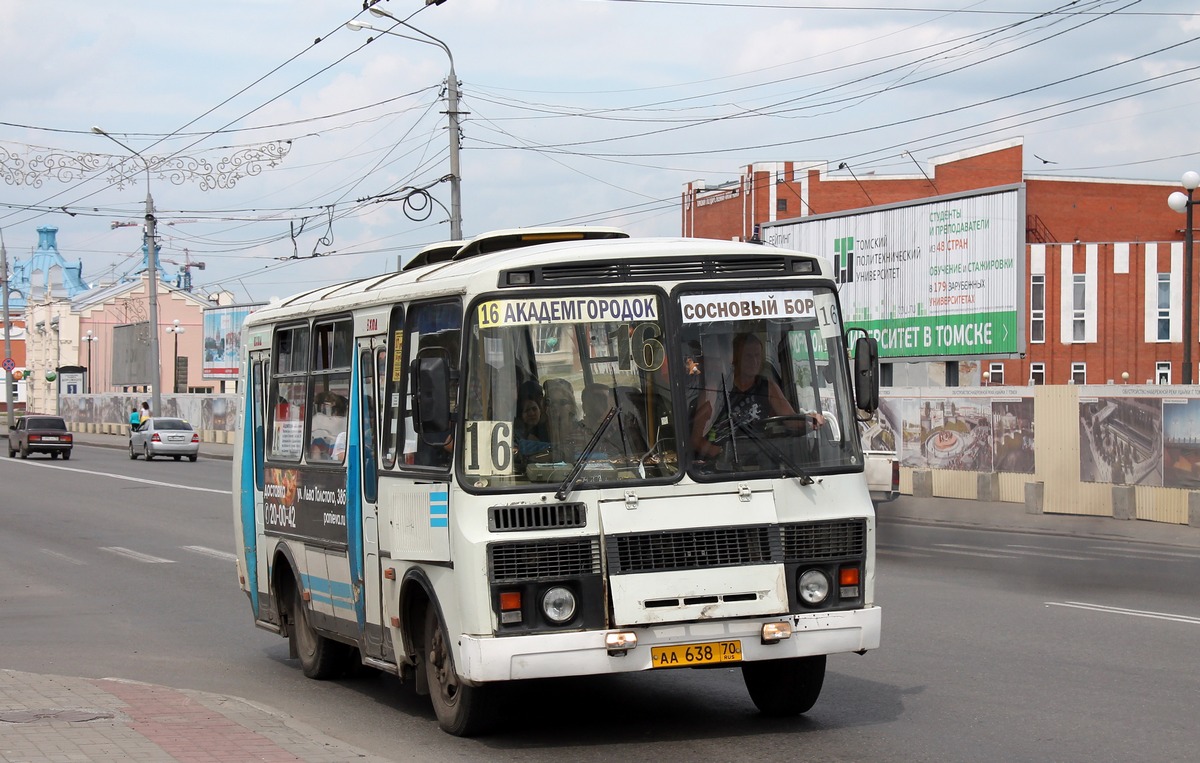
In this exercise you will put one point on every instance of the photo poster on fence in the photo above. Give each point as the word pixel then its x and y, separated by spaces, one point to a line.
pixel 1121 439
pixel 963 433
pixel 1181 443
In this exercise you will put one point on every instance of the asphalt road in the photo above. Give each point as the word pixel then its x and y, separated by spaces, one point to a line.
pixel 997 645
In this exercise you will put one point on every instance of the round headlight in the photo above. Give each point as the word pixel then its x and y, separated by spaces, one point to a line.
pixel 814 586
pixel 558 604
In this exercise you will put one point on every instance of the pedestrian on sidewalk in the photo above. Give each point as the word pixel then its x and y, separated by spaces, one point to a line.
pixel 135 418
pixel 145 414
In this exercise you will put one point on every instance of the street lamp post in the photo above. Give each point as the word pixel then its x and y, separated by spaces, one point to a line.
pixel 152 266
pixel 8 364
pixel 451 110
pixel 1183 202
pixel 89 337
pixel 176 330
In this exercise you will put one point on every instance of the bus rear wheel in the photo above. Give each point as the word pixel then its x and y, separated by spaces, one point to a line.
pixel 785 688
pixel 320 658
pixel 461 710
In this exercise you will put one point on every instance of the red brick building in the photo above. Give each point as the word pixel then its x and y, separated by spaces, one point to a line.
pixel 1104 257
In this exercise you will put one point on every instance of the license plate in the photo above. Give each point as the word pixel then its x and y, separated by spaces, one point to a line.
pixel 175 437
pixel 49 439
pixel 687 655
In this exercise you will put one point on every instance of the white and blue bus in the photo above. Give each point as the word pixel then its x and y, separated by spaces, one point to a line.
pixel 555 452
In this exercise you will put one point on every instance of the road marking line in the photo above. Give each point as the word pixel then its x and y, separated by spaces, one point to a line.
pixel 136 556
pixel 943 548
pixel 155 483
pixel 1187 619
pixel 223 555
pixel 1051 553
pixel 898 552
pixel 62 557
pixel 1149 552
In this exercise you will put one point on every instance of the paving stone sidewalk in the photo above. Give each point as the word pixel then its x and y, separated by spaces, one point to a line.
pixel 55 719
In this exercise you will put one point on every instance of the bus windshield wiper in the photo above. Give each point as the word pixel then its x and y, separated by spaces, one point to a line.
pixel 773 450
pixel 568 484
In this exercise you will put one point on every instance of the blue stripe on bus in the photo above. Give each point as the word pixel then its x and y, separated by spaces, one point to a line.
pixel 439 508
pixel 247 491
pixel 326 591
pixel 354 536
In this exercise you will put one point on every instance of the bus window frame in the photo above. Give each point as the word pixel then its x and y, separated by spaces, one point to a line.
pixel 412 315
pixel 289 376
pixel 325 376
pixel 391 429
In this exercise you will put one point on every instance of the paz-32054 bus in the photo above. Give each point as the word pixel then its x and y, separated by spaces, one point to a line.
pixel 557 453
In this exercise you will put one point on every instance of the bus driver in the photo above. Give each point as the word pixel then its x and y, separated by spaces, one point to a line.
pixel 752 396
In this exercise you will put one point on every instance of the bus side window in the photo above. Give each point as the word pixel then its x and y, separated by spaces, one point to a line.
pixel 255 414
pixel 435 325
pixel 391 376
pixel 288 394
pixel 369 476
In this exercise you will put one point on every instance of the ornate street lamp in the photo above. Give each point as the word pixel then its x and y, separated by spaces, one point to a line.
pixel 1183 202
pixel 176 330
pixel 89 337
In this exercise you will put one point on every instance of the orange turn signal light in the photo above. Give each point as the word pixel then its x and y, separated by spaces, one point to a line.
pixel 848 576
pixel 510 601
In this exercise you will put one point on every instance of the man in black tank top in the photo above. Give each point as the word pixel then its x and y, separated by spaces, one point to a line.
pixel 752 396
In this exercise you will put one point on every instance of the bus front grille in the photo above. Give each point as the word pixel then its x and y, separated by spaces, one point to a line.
pixel 689 549
pixel 541 560
pixel 822 541
pixel 554 516
pixel 732 546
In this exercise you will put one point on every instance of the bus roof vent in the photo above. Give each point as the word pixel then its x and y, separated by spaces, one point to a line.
pixel 443 251
pixel 503 240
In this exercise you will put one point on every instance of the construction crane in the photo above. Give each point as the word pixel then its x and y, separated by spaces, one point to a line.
pixel 185 269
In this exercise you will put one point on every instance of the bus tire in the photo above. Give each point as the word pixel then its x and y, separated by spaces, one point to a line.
pixel 785 688
pixel 320 658
pixel 461 710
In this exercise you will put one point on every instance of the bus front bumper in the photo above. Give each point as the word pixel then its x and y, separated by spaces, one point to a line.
pixel 578 653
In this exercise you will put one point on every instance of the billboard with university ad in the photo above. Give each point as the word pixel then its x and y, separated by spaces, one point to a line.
pixel 940 278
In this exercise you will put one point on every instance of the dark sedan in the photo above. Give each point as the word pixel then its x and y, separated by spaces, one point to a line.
pixel 40 434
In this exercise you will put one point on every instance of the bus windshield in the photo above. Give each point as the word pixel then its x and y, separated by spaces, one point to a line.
pixel 567 383
pixel 768 388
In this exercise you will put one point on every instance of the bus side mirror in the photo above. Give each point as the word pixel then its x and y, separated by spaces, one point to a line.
pixel 432 399
pixel 866 373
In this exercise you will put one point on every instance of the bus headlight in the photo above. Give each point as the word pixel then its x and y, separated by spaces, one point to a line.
pixel 558 604
pixel 814 587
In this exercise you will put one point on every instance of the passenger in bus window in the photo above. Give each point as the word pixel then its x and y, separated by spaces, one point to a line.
pixel 562 419
pixel 751 396
pixel 529 431
pixel 327 424
pixel 597 400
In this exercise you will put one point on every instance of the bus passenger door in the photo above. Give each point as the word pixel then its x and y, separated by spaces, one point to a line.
pixel 364 474
pixel 250 484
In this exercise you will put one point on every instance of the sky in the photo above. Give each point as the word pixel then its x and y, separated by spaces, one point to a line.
pixel 287 151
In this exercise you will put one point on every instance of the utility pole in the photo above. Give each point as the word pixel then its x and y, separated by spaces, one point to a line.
pixel 8 399
pixel 152 266
pixel 451 108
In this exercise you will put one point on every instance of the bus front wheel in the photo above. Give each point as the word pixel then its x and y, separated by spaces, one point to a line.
pixel 320 658
pixel 784 688
pixel 461 710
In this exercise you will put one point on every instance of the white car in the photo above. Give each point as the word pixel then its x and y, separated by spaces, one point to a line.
pixel 882 469
pixel 159 436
